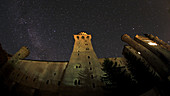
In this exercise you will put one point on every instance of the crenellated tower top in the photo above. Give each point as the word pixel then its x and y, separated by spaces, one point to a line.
pixel 82 36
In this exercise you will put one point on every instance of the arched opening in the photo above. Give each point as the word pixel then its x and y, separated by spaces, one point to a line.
pixel 77 37
pixel 75 82
pixel 47 81
pixel 88 57
pixel 91 76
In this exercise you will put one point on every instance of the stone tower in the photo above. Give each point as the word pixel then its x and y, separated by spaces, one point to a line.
pixel 84 69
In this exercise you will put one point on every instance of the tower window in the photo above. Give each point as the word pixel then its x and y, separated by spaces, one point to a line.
pixel 88 57
pixel 59 83
pixel 47 81
pixel 75 82
pixel 87 48
pixel 78 54
pixel 90 68
pixel 89 63
pixel 87 37
pixel 78 66
pixel 77 37
pixel 78 82
pixel 34 79
pixel 54 74
pixel 93 85
pixel 91 76
pixel 82 37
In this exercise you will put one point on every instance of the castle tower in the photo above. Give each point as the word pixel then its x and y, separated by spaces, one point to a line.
pixel 84 69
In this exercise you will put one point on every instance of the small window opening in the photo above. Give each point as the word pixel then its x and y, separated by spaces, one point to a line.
pixel 91 76
pixel 87 37
pixel 26 78
pixel 87 48
pixel 90 68
pixel 19 54
pixel 93 85
pixel 82 37
pixel 54 74
pixel 86 44
pixel 59 83
pixel 18 74
pixel 78 54
pixel 47 81
pixel 85 40
pixel 78 66
pixel 89 63
pixel 88 57
pixel 77 37
pixel 34 79
pixel 75 82
pixel 78 82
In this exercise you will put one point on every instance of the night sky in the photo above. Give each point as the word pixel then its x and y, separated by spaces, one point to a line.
pixel 46 27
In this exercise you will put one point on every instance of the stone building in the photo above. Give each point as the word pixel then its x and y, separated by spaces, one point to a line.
pixel 82 73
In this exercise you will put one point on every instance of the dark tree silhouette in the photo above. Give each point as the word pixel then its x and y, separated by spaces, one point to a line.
pixel 115 79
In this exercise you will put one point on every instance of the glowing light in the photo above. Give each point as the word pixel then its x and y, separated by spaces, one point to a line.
pixel 139 53
pixel 151 43
pixel 83 33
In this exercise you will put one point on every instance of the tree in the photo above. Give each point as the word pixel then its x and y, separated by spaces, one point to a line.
pixel 115 79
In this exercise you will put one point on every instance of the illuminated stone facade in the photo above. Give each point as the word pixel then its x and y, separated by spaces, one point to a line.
pixel 81 75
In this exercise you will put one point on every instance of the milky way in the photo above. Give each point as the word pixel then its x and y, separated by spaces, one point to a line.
pixel 46 27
